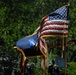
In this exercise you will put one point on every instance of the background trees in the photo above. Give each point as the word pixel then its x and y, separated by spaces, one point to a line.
pixel 19 18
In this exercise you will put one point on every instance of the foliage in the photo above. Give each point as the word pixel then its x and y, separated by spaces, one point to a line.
pixel 37 68
pixel 72 68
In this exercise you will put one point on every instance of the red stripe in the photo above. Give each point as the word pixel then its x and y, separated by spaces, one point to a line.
pixel 54 28
pixel 55 23
pixel 53 33
pixel 43 43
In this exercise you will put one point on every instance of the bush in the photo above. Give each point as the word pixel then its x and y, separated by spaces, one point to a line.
pixel 72 68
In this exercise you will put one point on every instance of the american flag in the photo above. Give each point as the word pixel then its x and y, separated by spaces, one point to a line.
pixel 55 24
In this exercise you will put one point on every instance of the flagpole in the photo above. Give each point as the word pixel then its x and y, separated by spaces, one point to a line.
pixel 65 51
pixel 65 57
pixel 62 53
pixel 64 42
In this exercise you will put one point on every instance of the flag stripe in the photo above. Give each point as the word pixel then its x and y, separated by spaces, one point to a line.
pixel 55 27
pixel 54 31
pixel 43 46
pixel 60 22
pixel 54 34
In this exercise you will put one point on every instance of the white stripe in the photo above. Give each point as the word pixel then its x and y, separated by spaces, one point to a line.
pixel 66 21
pixel 56 31
pixel 50 21
pixel 55 26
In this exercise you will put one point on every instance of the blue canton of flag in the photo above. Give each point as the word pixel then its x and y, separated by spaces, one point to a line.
pixel 60 13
